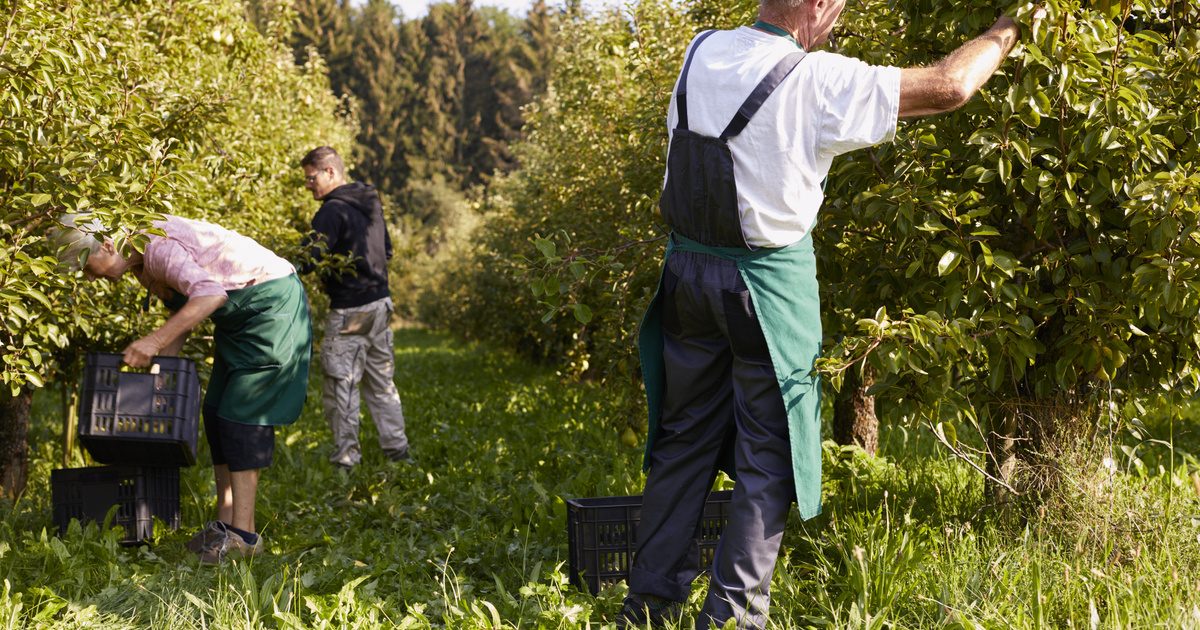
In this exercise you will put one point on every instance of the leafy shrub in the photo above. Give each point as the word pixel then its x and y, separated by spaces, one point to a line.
pixel 128 110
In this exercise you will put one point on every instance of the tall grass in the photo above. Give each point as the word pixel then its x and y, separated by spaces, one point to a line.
pixel 473 534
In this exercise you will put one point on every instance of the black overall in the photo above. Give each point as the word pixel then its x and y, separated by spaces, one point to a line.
pixel 721 404
pixel 699 200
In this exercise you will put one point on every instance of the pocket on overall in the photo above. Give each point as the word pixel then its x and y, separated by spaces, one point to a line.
pixel 750 344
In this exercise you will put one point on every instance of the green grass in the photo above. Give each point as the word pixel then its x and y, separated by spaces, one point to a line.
pixel 473 535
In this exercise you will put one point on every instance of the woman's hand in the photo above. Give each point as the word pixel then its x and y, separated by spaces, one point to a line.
pixel 141 352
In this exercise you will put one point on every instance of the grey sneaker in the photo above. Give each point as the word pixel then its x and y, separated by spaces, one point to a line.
pixel 232 546
pixel 211 533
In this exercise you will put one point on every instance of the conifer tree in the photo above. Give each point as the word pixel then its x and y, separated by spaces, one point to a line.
pixel 382 82
pixel 450 29
pixel 497 85
pixel 324 26
pixel 541 41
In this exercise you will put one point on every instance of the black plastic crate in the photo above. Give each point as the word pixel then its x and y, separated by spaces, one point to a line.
pixel 139 492
pixel 140 418
pixel 602 536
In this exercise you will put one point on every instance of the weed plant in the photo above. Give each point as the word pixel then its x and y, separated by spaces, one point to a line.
pixel 473 535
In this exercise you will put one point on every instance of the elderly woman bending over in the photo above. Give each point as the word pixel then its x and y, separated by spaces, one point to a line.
pixel 262 348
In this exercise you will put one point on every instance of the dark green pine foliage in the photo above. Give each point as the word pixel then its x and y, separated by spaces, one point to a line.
pixel 540 34
pixel 324 26
pixel 497 85
pixel 450 30
pixel 381 79
pixel 438 99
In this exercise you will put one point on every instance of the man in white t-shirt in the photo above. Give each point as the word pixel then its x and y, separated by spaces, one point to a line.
pixel 728 344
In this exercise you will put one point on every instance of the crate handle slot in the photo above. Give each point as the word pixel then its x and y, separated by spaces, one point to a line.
pixel 154 369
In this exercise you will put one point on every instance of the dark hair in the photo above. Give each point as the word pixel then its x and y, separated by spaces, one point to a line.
pixel 324 157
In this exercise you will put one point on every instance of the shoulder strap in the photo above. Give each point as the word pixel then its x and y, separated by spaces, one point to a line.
pixel 761 92
pixel 681 93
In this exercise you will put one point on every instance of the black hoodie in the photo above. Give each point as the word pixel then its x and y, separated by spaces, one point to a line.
pixel 350 221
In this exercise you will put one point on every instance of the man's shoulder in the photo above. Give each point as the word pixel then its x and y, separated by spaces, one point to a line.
pixel 832 60
pixel 333 209
pixel 335 204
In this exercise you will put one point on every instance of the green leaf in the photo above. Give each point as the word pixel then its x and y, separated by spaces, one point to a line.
pixel 583 314
pixel 1022 149
pixel 947 432
pixel 19 311
pixel 948 262
pixel 1030 118
pixel 39 296
pixel 546 247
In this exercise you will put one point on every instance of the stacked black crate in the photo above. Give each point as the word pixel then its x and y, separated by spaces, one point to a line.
pixel 144 425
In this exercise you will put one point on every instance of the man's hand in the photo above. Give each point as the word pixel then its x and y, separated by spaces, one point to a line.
pixel 141 352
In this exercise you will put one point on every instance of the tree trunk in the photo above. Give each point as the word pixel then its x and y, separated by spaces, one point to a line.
pixel 14 446
pixel 1002 458
pixel 854 420
pixel 1030 439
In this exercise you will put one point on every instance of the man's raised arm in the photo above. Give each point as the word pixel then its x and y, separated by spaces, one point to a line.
pixel 951 82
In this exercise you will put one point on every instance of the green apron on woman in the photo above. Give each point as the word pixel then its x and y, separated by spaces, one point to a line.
pixel 263 347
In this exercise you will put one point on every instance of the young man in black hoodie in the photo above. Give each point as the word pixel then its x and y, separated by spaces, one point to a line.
pixel 357 348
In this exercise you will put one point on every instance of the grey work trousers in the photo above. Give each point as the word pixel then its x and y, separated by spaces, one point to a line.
pixel 721 393
pixel 365 359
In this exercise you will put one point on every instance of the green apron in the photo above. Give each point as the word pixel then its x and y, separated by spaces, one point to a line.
pixel 263 347
pixel 783 287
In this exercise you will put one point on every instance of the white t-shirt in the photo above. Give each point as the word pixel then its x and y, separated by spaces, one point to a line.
pixel 827 106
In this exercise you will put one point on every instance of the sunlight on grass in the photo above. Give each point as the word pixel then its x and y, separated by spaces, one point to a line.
pixel 473 534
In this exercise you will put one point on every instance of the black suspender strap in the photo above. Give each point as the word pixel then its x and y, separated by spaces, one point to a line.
pixel 681 93
pixel 760 94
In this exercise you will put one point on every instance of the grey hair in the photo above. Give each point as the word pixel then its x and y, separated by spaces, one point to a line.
pixel 78 236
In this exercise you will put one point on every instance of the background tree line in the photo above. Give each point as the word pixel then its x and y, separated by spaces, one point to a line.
pixel 439 103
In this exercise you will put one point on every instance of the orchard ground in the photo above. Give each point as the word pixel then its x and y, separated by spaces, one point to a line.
pixel 473 535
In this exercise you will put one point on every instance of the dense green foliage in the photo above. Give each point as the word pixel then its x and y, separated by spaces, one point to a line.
pixel 474 534
pixel 1040 245
pixel 128 110
pixel 439 97
pixel 586 196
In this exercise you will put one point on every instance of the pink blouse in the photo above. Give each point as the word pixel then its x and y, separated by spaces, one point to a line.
pixel 197 258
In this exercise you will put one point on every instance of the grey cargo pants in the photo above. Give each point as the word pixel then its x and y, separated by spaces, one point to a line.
pixel 363 355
